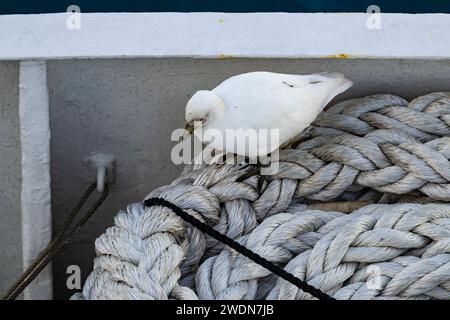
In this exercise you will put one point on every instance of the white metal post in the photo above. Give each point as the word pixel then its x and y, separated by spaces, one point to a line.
pixel 35 193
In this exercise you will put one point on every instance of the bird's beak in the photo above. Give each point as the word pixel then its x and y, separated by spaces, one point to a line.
pixel 189 127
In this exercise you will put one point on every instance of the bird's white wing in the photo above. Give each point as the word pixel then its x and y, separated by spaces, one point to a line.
pixel 264 97
pixel 285 102
pixel 262 80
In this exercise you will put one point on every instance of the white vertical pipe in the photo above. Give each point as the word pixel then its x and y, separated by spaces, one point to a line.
pixel 35 196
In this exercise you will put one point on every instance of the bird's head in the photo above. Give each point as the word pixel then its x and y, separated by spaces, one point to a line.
pixel 203 106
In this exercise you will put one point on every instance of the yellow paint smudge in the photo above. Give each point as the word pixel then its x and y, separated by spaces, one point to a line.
pixel 339 56
pixel 225 56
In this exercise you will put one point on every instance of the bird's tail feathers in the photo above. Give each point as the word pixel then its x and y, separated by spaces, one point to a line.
pixel 324 76
pixel 329 85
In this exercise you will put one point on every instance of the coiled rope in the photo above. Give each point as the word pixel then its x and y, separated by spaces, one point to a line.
pixel 239 248
pixel 379 148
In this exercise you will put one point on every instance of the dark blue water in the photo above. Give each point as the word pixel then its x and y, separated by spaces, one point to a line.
pixel 46 6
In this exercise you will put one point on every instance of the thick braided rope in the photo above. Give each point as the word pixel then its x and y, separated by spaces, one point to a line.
pixel 388 161
pixel 389 230
pixel 212 194
pixel 279 238
pixel 405 277
pixel 424 118
pixel 367 239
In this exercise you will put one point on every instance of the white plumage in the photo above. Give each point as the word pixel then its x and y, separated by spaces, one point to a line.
pixel 261 100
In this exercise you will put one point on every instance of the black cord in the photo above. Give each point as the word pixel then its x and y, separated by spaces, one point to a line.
pixel 303 285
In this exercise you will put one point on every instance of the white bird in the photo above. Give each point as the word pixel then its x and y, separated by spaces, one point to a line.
pixel 261 100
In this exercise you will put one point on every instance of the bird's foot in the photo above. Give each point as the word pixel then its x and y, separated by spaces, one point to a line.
pixel 255 170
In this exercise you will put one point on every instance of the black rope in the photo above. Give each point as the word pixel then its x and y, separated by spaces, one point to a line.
pixel 63 237
pixel 303 285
